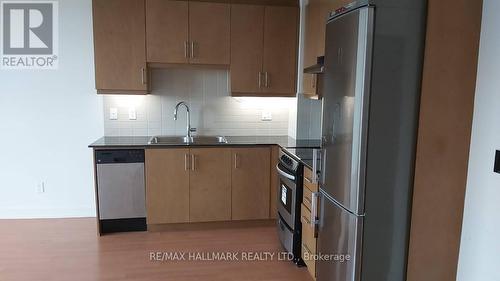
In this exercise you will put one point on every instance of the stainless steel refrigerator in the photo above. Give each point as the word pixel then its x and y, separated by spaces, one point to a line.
pixel 373 66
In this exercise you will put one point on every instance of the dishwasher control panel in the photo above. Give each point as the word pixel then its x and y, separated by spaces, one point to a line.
pixel 120 156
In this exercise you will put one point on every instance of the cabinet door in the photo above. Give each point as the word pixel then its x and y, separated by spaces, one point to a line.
pixel 209 27
pixel 251 179
pixel 167 185
pixel 273 210
pixel 167 31
pixel 311 43
pixel 119 45
pixel 280 50
pixel 210 185
pixel 247 41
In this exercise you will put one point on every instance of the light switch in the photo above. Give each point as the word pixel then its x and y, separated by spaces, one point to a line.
pixel 132 114
pixel 113 113
pixel 267 116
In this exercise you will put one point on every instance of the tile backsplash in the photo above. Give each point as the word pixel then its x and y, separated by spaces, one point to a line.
pixel 213 110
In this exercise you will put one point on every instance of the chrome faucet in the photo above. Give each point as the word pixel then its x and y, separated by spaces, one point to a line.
pixel 188 137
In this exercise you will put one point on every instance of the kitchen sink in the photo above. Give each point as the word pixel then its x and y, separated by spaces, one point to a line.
pixel 199 140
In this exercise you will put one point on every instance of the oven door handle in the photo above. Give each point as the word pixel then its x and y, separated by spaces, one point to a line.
pixel 285 174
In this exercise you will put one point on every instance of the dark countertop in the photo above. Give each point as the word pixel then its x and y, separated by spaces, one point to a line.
pixel 304 155
pixel 142 141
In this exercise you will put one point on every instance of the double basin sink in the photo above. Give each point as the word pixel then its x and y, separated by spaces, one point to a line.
pixel 197 140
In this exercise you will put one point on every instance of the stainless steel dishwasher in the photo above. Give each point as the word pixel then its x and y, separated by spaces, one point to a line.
pixel 121 192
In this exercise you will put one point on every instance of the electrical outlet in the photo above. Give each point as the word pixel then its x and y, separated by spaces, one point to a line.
pixel 41 187
pixel 113 113
pixel 266 116
pixel 132 114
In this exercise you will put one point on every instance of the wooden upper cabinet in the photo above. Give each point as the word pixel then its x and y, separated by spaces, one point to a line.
pixel 167 31
pixel 181 32
pixel 251 179
pixel 167 185
pixel 209 29
pixel 210 185
pixel 119 46
pixel 264 43
pixel 317 12
pixel 247 48
pixel 280 50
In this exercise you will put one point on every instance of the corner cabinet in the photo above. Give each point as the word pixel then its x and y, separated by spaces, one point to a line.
pixel 264 43
pixel 119 46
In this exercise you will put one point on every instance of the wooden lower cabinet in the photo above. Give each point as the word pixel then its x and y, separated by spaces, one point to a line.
pixel 275 182
pixel 210 185
pixel 309 233
pixel 167 186
pixel 251 178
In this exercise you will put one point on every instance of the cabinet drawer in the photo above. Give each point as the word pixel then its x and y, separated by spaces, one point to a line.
pixel 310 263
pixel 308 237
pixel 308 245
pixel 308 180
pixel 307 198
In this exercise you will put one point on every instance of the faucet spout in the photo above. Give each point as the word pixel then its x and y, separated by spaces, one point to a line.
pixel 188 125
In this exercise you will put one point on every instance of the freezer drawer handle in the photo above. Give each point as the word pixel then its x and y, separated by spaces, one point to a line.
pixel 314 208
pixel 284 174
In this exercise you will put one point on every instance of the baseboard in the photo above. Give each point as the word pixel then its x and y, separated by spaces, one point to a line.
pixel 46 213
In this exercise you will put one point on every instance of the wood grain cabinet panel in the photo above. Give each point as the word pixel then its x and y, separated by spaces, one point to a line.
pixel 247 48
pixel 273 210
pixel 280 50
pixel 167 185
pixel 264 43
pixel 210 185
pixel 209 29
pixel 251 178
pixel 167 31
pixel 119 46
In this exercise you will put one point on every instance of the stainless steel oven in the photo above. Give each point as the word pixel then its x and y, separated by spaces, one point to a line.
pixel 290 172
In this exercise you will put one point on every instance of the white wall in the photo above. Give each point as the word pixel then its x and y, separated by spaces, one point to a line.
pixel 213 110
pixel 480 244
pixel 48 119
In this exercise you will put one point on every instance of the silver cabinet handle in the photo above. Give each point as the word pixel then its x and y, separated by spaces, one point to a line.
pixel 236 160
pixel 308 180
pixel 143 75
pixel 186 162
pixel 193 162
pixel 260 79
pixel 186 49
pixel 284 174
pixel 266 79
pixel 313 82
pixel 192 49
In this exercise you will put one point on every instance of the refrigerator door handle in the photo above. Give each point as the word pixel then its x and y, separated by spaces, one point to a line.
pixel 314 177
pixel 314 208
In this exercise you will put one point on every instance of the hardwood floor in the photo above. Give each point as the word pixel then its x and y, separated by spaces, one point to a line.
pixel 69 249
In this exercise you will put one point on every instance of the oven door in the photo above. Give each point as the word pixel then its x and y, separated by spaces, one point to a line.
pixel 287 193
